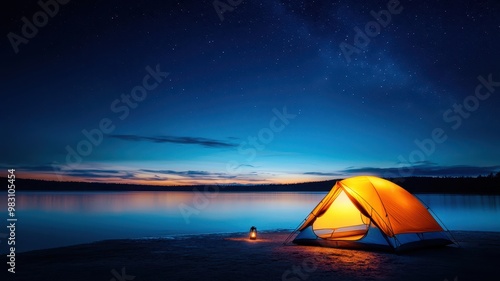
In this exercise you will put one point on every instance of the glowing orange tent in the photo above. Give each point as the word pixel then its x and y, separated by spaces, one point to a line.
pixel 370 212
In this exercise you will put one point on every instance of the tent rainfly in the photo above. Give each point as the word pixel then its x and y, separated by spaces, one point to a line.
pixel 367 212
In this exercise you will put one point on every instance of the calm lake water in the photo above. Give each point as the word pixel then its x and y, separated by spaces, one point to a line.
pixel 47 220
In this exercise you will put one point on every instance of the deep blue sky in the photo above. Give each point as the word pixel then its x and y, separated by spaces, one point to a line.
pixel 228 78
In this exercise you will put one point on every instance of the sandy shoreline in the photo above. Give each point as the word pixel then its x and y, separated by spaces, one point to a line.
pixel 234 257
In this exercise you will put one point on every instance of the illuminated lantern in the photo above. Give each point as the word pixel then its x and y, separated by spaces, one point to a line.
pixel 253 233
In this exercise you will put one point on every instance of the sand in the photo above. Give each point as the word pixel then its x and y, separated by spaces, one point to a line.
pixel 234 257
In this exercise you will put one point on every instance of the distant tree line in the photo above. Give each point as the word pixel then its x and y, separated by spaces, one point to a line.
pixel 489 184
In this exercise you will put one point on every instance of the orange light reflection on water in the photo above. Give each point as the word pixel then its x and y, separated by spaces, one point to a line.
pixel 103 201
pixel 220 204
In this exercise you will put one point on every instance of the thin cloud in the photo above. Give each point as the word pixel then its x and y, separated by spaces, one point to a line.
pixel 105 174
pixel 425 170
pixel 322 174
pixel 205 142
pixel 246 165
pixel 191 174
pixel 152 175
pixel 29 168
pixel 419 163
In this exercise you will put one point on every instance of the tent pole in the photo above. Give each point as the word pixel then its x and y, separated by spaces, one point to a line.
pixel 293 232
pixel 321 203
pixel 446 228
pixel 455 241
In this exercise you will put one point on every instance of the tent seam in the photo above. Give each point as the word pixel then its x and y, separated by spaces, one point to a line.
pixel 383 205
pixel 372 209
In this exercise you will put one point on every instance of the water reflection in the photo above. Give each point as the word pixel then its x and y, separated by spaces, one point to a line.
pixel 65 218
pixel 465 212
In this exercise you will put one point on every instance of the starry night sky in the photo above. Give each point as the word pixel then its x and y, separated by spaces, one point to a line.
pixel 265 95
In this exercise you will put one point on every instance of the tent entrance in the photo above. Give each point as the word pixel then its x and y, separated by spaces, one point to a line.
pixel 342 221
